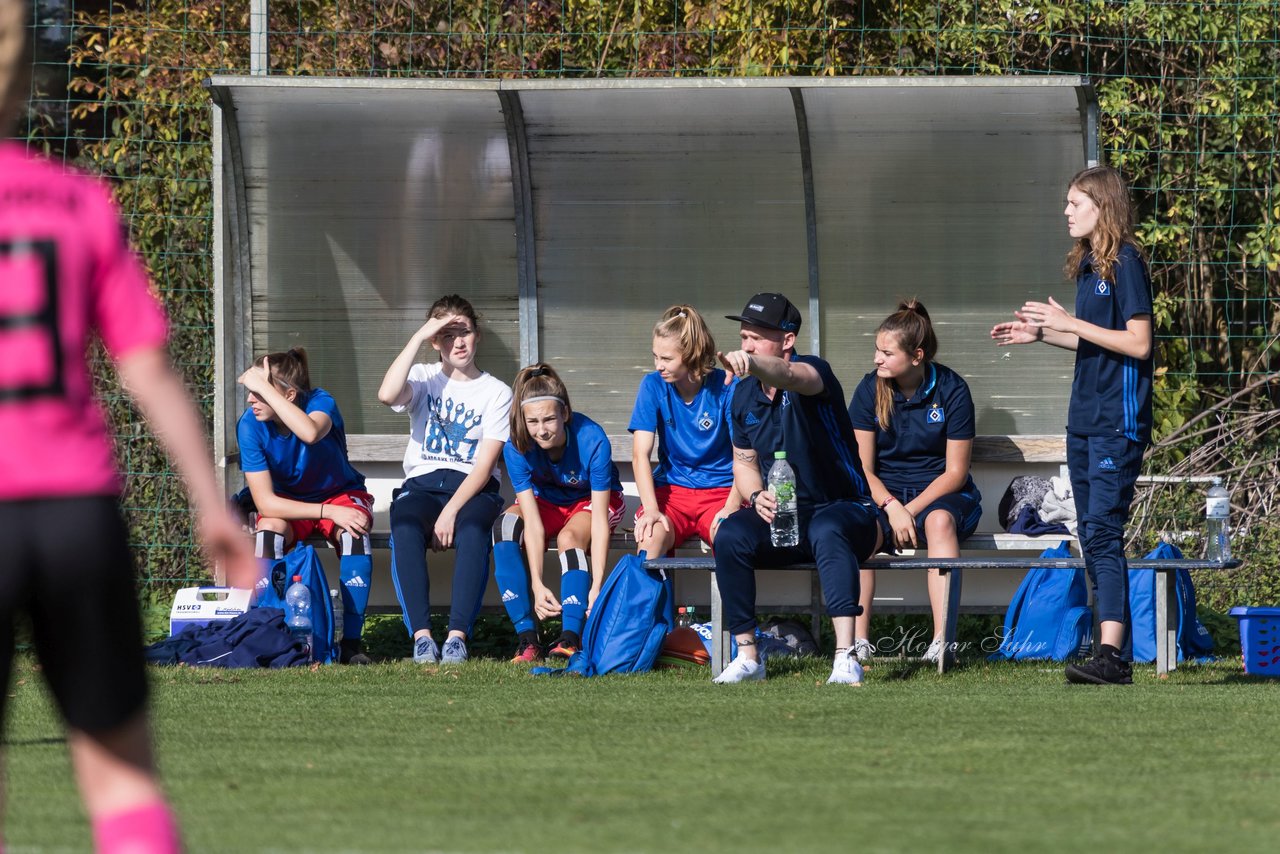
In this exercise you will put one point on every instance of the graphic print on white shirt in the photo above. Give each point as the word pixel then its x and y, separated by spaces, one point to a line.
pixel 449 429
pixel 449 420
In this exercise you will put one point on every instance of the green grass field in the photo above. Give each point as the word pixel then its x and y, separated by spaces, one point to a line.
pixel 484 757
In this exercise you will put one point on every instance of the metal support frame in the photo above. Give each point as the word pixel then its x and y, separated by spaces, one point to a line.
pixel 810 220
pixel 1089 120
pixel 232 299
pixel 258 38
pixel 526 244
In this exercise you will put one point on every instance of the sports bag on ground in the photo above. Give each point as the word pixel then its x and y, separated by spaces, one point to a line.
pixel 303 561
pixel 1194 640
pixel 1048 617
pixel 627 625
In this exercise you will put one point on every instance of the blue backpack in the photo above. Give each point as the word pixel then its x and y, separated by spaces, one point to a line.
pixel 303 561
pixel 1048 617
pixel 628 623
pixel 1194 640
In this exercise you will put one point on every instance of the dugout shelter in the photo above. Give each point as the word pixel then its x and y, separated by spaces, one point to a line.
pixel 572 212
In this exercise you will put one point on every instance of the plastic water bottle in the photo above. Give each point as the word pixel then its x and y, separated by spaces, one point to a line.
pixel 335 596
pixel 785 528
pixel 297 604
pixel 693 618
pixel 682 618
pixel 1217 534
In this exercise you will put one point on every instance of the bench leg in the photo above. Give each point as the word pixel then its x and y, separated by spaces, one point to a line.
pixel 719 637
pixel 815 607
pixel 952 583
pixel 1166 624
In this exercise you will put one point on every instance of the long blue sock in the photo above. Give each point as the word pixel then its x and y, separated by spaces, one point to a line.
pixel 357 574
pixel 513 581
pixel 575 586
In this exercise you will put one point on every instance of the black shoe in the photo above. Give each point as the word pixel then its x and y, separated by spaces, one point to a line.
pixel 352 654
pixel 1100 670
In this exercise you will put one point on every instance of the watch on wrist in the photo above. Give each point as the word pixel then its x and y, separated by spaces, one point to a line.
pixel 754 496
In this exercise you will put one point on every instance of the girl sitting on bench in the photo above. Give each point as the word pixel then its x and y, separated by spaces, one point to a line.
pixel 457 424
pixel 567 487
pixel 684 403
pixel 293 451
pixel 913 419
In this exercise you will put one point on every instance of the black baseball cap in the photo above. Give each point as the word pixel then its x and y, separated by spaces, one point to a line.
pixel 772 311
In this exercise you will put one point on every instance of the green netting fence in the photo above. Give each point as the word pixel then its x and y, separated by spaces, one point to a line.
pixel 1190 111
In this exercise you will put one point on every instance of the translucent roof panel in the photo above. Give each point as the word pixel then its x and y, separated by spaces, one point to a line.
pixel 646 198
pixel 362 211
pixel 954 196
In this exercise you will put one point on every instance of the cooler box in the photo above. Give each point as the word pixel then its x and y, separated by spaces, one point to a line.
pixel 199 606
pixel 1259 639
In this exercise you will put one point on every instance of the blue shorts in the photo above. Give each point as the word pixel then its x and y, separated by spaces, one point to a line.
pixel 964 506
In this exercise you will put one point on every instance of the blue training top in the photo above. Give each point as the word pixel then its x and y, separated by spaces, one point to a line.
pixel 1111 393
pixel 587 465
pixel 695 449
pixel 912 451
pixel 300 471
pixel 814 430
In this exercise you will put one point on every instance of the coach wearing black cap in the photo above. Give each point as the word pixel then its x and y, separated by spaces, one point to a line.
pixel 792 403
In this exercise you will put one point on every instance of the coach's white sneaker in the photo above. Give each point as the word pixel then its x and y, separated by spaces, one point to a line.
pixel 863 650
pixel 741 670
pixel 846 670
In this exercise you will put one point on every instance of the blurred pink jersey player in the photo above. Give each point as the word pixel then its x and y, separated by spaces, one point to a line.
pixel 67 275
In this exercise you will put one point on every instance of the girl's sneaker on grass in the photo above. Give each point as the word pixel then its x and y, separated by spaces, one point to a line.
pixel 425 651
pixel 454 652
pixel 741 670
pixel 846 670
pixel 527 653
pixel 564 648
pixel 935 650
pixel 1100 670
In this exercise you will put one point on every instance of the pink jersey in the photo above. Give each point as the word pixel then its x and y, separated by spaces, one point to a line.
pixel 66 272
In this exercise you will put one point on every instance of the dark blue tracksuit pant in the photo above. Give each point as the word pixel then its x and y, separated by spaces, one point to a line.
pixel 834 536
pixel 413 519
pixel 1104 471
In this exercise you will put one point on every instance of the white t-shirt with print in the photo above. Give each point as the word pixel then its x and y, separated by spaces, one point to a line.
pixel 449 419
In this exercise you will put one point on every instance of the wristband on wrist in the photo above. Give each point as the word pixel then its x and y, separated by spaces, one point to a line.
pixel 885 504
pixel 754 496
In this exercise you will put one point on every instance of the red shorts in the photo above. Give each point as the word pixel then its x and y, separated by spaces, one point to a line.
pixel 690 511
pixel 555 517
pixel 303 528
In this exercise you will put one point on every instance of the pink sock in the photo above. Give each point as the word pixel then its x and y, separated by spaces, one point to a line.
pixel 148 829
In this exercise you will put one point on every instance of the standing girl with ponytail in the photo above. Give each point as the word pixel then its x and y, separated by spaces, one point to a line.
pixel 567 487
pixel 914 422
pixel 293 451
